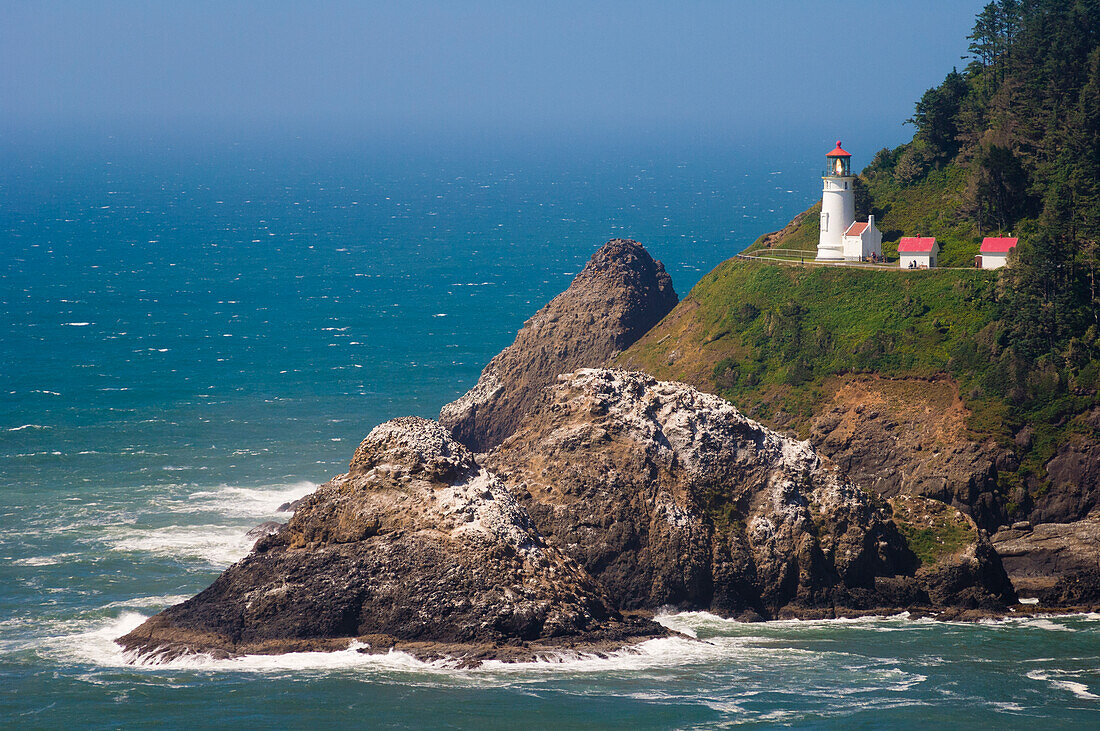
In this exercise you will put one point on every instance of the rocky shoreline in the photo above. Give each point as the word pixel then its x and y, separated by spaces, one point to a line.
pixel 559 504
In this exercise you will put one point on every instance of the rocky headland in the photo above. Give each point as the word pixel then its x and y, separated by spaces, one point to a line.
pixel 559 507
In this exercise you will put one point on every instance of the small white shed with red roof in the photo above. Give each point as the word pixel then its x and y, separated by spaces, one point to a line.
pixel 918 252
pixel 994 251
pixel 862 240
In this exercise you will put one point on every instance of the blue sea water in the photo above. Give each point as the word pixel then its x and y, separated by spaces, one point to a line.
pixel 194 333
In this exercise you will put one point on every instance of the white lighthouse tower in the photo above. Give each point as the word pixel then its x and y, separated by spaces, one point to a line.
pixel 838 204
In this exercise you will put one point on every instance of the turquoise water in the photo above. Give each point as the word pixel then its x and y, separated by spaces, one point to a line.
pixel 195 333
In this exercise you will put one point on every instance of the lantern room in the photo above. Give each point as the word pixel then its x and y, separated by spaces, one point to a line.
pixel 838 163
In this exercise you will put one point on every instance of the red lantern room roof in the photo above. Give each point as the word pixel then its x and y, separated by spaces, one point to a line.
pixel 838 152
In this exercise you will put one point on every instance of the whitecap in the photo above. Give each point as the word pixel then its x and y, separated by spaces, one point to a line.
pixel 144 602
pixel 216 545
pixel 244 502
pixel 1056 678
pixel 43 560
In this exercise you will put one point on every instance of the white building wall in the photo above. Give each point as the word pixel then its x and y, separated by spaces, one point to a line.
pixel 994 261
pixel 853 248
pixel 838 212
pixel 874 239
pixel 922 260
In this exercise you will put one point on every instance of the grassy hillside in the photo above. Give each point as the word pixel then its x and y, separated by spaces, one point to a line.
pixel 773 338
pixel 766 335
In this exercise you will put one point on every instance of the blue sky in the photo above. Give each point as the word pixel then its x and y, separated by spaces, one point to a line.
pixel 621 69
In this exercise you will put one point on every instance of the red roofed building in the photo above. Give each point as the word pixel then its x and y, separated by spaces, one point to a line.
pixel 994 252
pixel 917 252
pixel 862 241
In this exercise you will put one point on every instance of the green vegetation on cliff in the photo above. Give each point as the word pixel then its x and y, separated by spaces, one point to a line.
pixel 1009 144
pixel 770 337
pixel 774 332
pixel 933 530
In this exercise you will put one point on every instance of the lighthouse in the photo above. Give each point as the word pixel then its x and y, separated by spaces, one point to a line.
pixel 838 204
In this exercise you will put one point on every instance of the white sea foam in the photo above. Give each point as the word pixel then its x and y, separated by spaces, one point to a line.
pixel 1058 680
pixel 143 602
pixel 43 560
pixel 220 539
pixel 1041 622
pixel 676 659
pixel 691 622
pixel 29 426
pixel 244 502
pixel 217 545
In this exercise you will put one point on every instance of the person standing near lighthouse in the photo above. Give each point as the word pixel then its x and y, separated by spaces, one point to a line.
pixel 838 204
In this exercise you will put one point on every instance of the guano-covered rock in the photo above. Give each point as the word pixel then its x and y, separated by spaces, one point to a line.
pixel 416 547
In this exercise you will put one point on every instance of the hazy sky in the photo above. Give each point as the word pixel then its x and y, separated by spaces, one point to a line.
pixel 572 68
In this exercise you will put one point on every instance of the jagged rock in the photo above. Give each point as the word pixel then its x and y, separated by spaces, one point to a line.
pixel 1054 561
pixel 417 547
pixel 670 496
pixel 289 506
pixel 267 528
pixel 621 293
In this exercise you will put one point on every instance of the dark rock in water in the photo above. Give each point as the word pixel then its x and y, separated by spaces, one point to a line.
pixel 289 507
pixel 670 496
pixel 621 293
pixel 1053 561
pixel 416 547
pixel 267 528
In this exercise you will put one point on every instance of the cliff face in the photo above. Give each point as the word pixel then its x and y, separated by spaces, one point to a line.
pixel 900 379
pixel 910 437
pixel 1074 474
pixel 418 547
pixel 621 293
pixel 1057 563
pixel 671 496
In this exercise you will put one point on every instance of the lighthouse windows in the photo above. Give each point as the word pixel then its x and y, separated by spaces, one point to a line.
pixel 824 221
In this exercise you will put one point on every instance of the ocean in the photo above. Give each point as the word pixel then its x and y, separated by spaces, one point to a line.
pixel 195 332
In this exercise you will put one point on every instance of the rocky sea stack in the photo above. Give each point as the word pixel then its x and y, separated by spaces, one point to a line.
pixel 619 295
pixel 417 547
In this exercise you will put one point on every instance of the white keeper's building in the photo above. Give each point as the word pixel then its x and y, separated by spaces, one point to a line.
pixel 862 241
